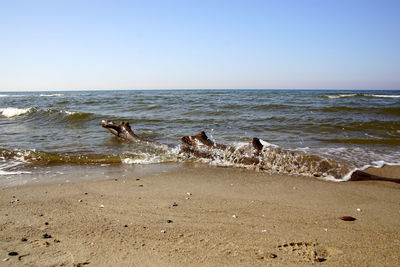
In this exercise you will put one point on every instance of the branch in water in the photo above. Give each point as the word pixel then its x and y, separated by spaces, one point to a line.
pixel 201 146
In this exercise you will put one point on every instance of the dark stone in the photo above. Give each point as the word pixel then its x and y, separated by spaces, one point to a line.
pixel 13 253
pixel 347 218
pixel 46 236
pixel 46 223
pixel 271 255
pixel 169 221
pixel 24 239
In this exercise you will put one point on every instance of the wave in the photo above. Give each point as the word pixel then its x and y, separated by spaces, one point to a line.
pixel 10 95
pixel 335 96
pixel 341 96
pixel 14 112
pixel 51 95
pixel 271 159
pixel 45 114
pixel 384 96
pixel 363 141
pixel 384 111
pixel 31 95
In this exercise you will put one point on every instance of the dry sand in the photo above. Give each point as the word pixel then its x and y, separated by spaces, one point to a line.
pixel 221 217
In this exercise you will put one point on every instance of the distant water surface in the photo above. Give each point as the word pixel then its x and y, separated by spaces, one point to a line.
pixel 56 128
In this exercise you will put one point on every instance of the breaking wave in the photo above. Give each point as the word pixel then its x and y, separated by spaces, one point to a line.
pixel 32 113
pixel 271 159
pixel 335 96
pixel 14 112
pixel 31 95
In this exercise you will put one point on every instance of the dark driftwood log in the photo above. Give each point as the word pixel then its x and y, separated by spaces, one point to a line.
pixel 122 130
pixel 190 145
pixel 363 176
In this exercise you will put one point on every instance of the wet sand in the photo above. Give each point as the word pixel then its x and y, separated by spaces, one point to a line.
pixel 202 216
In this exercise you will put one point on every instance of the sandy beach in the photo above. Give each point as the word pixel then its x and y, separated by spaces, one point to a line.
pixel 202 216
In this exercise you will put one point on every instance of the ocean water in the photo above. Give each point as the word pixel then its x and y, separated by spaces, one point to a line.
pixel 41 129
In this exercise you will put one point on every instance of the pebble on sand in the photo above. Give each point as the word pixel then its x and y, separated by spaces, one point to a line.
pixel 235 216
pixel 13 253
pixel 46 236
pixel 271 255
pixel 347 218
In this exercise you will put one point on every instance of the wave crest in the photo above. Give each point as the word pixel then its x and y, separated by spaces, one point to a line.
pixel 14 112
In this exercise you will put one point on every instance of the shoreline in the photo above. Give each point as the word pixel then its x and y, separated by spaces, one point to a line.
pixel 196 215
pixel 73 173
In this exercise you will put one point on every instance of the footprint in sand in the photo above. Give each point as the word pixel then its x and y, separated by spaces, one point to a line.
pixel 307 251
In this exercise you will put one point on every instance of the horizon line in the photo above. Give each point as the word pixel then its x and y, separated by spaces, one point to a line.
pixel 188 89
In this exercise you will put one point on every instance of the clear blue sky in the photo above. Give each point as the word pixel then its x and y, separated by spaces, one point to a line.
pixel 94 44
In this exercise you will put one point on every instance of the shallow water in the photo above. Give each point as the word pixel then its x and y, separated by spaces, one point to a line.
pixel 63 128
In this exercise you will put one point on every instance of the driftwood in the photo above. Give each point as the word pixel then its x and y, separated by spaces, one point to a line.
pixel 201 146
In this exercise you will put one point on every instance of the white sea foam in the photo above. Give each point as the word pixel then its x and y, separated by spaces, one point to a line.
pixel 68 112
pixel 341 95
pixel 6 167
pixel 265 143
pixel 143 158
pixel 386 96
pixel 2 172
pixel 50 95
pixel 13 112
pixel 3 95
pixel 362 95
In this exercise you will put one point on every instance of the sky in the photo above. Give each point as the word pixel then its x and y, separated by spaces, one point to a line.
pixel 199 44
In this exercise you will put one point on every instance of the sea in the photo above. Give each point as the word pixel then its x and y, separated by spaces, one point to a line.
pixel 51 134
